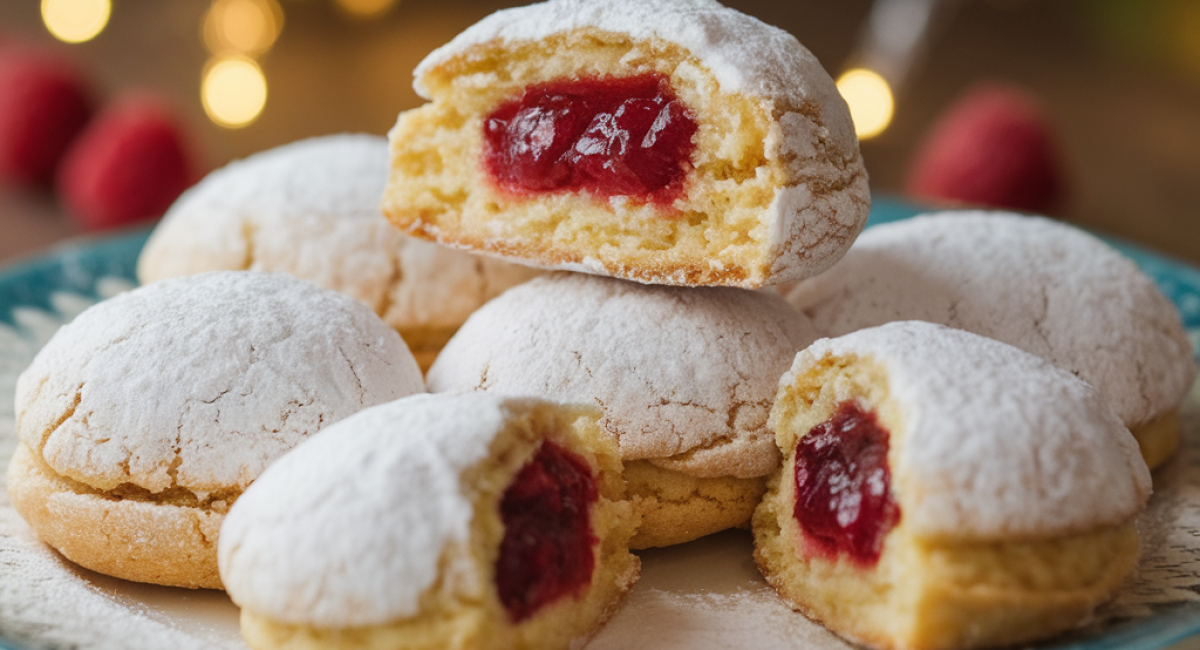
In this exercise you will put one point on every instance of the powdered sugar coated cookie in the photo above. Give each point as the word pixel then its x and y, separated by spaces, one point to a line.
pixel 1041 285
pixel 393 528
pixel 145 417
pixel 311 209
pixel 773 189
pixel 943 490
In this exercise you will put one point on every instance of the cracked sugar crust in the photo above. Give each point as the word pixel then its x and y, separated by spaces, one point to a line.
pixel 311 209
pixel 745 54
pixel 994 443
pixel 200 382
pixel 685 376
pixel 309 545
pixel 820 203
pixel 1043 286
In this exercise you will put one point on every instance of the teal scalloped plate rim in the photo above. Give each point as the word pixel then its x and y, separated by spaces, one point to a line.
pixel 76 266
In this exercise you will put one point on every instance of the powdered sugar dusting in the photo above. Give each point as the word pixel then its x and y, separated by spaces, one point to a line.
pixel 46 603
pixel 339 175
pixel 748 617
pixel 200 382
pixel 311 209
pixel 996 442
pixel 676 370
pixel 745 54
pixel 348 529
pixel 1043 286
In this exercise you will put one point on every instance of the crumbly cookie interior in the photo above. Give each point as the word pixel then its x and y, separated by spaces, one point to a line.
pixel 714 234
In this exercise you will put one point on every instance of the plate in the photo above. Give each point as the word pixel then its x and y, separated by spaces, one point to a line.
pixel 705 594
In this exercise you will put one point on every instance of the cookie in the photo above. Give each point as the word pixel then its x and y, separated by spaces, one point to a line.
pixel 686 378
pixel 435 521
pixel 676 142
pixel 311 209
pixel 1041 285
pixel 145 418
pixel 941 490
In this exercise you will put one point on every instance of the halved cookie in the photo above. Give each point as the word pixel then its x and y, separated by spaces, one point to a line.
pixel 944 491
pixel 676 142
pixel 435 521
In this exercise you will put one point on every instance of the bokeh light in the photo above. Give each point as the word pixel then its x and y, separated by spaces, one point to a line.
pixel 870 100
pixel 75 21
pixel 233 90
pixel 1185 34
pixel 365 8
pixel 247 27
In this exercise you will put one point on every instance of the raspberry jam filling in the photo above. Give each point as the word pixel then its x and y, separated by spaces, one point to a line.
pixel 547 550
pixel 625 136
pixel 844 501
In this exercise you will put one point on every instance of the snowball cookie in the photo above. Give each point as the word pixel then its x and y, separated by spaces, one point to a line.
pixel 142 420
pixel 435 521
pixel 685 377
pixel 671 142
pixel 1041 285
pixel 941 490
pixel 311 209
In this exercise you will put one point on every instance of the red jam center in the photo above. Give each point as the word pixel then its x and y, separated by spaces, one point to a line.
pixel 844 502
pixel 610 136
pixel 547 551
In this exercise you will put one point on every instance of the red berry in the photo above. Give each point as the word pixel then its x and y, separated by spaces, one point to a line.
pixel 992 147
pixel 129 165
pixel 44 103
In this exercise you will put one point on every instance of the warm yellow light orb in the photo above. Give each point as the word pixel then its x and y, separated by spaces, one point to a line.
pixel 365 8
pixel 242 26
pixel 75 21
pixel 234 91
pixel 870 100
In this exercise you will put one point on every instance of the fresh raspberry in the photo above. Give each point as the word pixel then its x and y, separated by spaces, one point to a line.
pixel 992 147
pixel 44 103
pixel 129 165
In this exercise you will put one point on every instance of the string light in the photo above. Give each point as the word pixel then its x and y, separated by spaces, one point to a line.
pixel 75 21
pixel 365 8
pixel 233 90
pixel 870 100
pixel 247 27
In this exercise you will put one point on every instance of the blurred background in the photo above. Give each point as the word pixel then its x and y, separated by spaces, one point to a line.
pixel 1085 109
